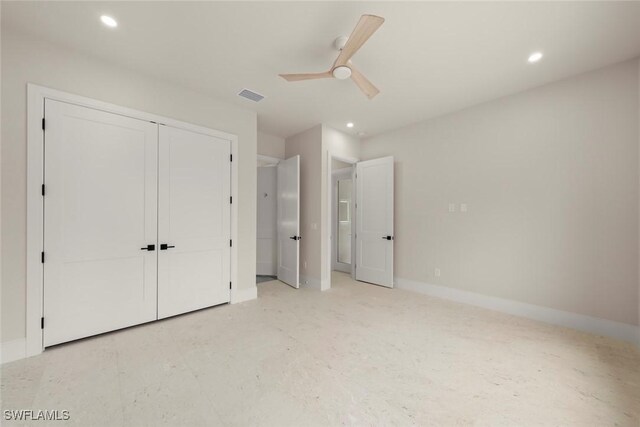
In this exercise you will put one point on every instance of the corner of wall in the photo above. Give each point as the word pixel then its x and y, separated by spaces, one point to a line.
pixel 308 145
pixel 342 145
pixel 13 350
pixel 242 295
pixel 638 70
pixel 270 145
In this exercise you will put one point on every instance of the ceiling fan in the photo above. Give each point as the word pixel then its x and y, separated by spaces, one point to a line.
pixel 342 68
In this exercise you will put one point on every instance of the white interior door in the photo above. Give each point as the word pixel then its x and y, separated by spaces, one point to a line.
pixel 194 217
pixel 289 221
pixel 99 216
pixel 374 221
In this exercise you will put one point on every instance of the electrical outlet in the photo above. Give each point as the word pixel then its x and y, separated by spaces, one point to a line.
pixel 463 207
pixel 452 207
pixel 437 272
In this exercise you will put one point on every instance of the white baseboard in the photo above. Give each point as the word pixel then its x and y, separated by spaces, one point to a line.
pixel 594 325
pixel 313 283
pixel 13 350
pixel 242 295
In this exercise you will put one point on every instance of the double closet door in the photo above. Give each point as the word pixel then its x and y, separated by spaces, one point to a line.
pixel 136 221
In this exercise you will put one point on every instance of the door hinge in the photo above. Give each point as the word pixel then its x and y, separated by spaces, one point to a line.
pixel 231 199
pixel 231 157
pixel 42 323
pixel 42 257
pixel 43 123
pixel 230 243
pixel 229 285
pixel 43 189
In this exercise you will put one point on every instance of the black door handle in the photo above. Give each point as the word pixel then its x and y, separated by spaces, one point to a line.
pixel 164 246
pixel 387 237
pixel 295 237
pixel 149 248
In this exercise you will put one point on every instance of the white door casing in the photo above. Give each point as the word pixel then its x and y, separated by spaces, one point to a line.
pixel 289 221
pixel 193 221
pixel 100 211
pixel 374 223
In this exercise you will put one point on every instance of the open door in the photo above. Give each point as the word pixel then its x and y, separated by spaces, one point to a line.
pixel 374 221
pixel 289 221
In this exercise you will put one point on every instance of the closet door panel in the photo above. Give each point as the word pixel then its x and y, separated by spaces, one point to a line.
pixel 100 210
pixel 194 221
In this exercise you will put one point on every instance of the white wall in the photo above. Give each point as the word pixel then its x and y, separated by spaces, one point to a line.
pixel 313 146
pixel 270 145
pixel 28 60
pixel 2 357
pixel 550 177
pixel 342 145
pixel 308 145
pixel 267 233
pixel 337 165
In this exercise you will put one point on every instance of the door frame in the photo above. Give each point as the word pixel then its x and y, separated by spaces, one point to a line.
pixel 272 163
pixel 36 96
pixel 328 264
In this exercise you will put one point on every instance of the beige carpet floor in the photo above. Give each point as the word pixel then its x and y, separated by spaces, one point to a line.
pixel 355 355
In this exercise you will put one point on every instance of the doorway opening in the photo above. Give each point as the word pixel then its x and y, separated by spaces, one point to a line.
pixel 342 216
pixel 278 220
pixel 267 219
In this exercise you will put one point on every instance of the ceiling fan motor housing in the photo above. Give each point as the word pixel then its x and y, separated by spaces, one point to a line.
pixel 341 72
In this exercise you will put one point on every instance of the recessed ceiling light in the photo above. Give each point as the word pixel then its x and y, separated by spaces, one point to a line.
pixel 535 57
pixel 349 125
pixel 109 21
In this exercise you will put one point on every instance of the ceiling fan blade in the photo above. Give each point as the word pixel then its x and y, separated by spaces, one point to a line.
pixel 307 76
pixel 363 83
pixel 366 26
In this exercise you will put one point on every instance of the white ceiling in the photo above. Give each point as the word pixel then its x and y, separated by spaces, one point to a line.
pixel 427 59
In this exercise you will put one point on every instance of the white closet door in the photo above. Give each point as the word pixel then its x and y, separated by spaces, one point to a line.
pixel 289 221
pixel 193 221
pixel 99 211
pixel 374 221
